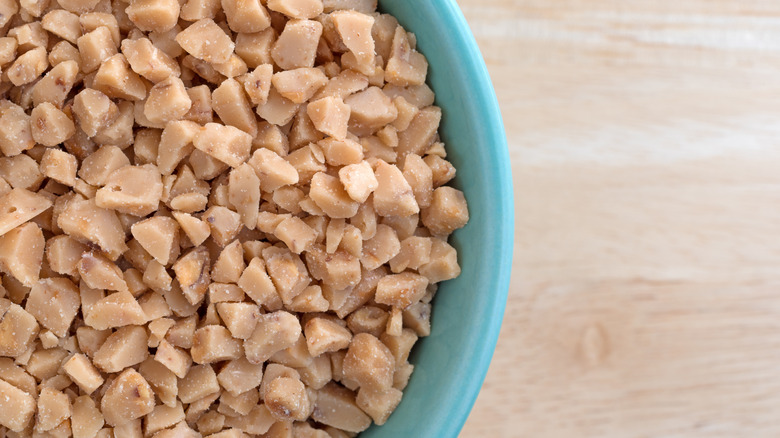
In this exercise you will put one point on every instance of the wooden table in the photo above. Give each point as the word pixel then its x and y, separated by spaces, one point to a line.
pixel 645 145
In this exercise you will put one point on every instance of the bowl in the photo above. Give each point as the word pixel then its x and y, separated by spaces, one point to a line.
pixel 451 363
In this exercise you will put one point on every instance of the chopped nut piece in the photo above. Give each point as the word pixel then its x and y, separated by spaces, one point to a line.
pixel 28 67
pixel 295 233
pixel 244 194
pixel 115 79
pixel 415 252
pixel 202 68
pixel 195 229
pixel 394 195
pixel 213 343
pixel 124 348
pixel 341 152
pixel 21 253
pixel 343 85
pixel 15 131
pixel 233 67
pixel 239 376
pixel 299 85
pixel 21 171
pixel 443 171
pixel 229 264
pixel 53 409
pixel 246 15
pixel 297 8
pixel 149 61
pixel 48 339
pixel 232 106
pixel 132 190
pixel 369 362
pixel 225 224
pixel 240 318
pixel 16 407
pixel 206 167
pixel 210 422
pixel 17 331
pixel 443 263
pixel 277 109
pixel 163 417
pixel 200 381
pixel 158 328
pixel 335 406
pixel 324 336
pixel 354 28
pixel 192 273
pixel 200 111
pixel 98 166
pixel 207 41
pixel 256 283
pixel 420 133
pixel 161 379
pixel 54 302
pixel 99 273
pixel 255 48
pixel 167 101
pixel 90 340
pixel 175 144
pixel 195 10
pixel 225 143
pixel 128 397
pixel 447 212
pixel 173 358
pixel 329 195
pixel 78 6
pixel 257 84
pixel 95 47
pixel 19 206
pixel 310 300
pixel 330 116
pixel 368 319
pixel 371 108
pixel 63 24
pixel 272 170
pixel 189 202
pixel 94 111
pixel 297 45
pixel 274 332
pixel 406 66
pixel 116 310
pixel 51 127
pixel 153 15
pixel 92 20
pixel 358 180
pixel 86 419
pixel 159 236
pixel 401 290
pixel 379 403
pixel 83 373
pixel 45 364
pixel 157 277
pixel 62 52
pixel 287 400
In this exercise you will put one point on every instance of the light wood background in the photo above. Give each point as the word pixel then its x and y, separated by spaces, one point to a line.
pixel 645 145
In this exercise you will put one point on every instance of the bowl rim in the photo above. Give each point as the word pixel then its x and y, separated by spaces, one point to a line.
pixel 475 67
pixel 448 419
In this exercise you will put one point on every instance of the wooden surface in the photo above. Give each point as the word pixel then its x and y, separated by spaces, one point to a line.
pixel 645 146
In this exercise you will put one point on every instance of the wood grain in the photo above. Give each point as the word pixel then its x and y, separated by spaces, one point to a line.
pixel 645 145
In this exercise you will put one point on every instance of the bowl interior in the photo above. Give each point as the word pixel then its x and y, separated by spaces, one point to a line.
pixel 450 365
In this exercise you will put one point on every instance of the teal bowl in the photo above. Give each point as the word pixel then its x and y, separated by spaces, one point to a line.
pixel 450 365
